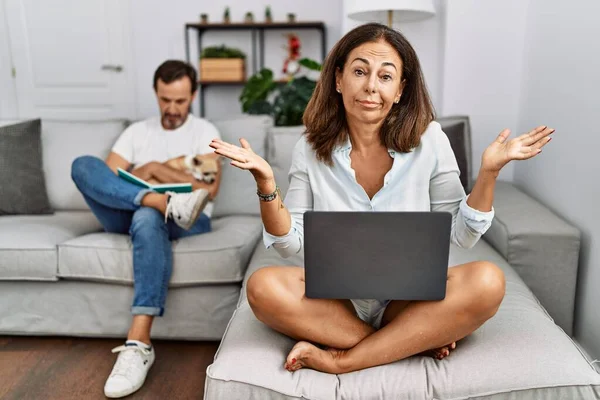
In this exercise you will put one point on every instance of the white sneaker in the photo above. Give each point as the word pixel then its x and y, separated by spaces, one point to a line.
pixel 129 373
pixel 185 208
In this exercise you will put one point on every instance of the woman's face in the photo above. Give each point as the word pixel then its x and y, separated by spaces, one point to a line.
pixel 371 82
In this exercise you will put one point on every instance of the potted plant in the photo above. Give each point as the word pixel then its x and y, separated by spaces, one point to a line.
pixel 204 18
pixel 222 64
pixel 249 18
pixel 226 16
pixel 289 101
pixel 268 16
pixel 291 18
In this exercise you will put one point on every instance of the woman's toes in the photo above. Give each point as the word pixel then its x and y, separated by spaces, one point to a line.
pixel 305 354
pixel 441 353
pixel 297 356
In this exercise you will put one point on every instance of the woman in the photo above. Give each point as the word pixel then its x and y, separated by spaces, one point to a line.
pixel 372 144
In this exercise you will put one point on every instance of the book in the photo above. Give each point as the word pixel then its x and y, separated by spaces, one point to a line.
pixel 160 188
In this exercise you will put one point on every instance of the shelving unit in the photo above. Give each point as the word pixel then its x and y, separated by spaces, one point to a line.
pixel 257 31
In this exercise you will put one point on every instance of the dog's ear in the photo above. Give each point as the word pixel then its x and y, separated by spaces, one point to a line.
pixel 197 162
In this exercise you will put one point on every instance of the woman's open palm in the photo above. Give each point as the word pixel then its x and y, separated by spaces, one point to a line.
pixel 523 147
pixel 244 158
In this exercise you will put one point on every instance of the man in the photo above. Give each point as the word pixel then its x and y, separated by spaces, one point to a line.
pixel 152 219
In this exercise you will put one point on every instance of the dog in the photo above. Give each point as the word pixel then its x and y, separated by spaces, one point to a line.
pixel 203 168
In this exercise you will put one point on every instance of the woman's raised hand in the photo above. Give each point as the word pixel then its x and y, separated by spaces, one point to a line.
pixel 523 147
pixel 244 158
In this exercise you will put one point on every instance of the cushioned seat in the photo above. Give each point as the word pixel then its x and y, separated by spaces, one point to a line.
pixel 220 256
pixel 28 242
pixel 520 353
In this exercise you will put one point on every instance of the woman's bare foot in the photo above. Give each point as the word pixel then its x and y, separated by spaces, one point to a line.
pixel 305 354
pixel 440 353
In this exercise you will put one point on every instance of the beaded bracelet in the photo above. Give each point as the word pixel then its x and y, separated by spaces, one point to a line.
pixel 270 196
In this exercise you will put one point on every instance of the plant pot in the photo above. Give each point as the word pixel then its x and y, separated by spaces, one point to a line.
pixel 203 18
pixel 222 70
pixel 291 18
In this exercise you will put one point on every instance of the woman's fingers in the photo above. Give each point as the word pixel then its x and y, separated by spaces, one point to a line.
pixel 240 165
pixel 503 136
pixel 232 154
pixel 536 135
pixel 219 144
pixel 245 144
pixel 542 142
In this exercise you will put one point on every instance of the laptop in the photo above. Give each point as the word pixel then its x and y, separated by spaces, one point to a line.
pixel 376 255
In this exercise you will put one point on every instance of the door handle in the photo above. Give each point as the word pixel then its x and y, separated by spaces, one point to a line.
pixel 116 68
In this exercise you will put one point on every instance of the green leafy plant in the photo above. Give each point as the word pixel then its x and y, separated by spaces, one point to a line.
pixel 221 52
pixel 290 101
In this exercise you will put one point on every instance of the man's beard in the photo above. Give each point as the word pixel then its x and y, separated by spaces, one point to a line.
pixel 173 121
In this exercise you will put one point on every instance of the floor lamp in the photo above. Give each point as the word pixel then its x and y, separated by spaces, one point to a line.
pixel 390 10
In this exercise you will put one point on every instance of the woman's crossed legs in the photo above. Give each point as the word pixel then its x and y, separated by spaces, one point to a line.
pixel 276 295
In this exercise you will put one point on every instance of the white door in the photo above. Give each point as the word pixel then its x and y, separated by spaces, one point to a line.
pixel 72 58
pixel 8 97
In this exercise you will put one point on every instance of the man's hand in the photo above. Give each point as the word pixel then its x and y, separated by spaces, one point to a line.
pixel 146 171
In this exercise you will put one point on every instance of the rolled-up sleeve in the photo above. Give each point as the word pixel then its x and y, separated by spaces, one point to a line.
pixel 447 194
pixel 298 200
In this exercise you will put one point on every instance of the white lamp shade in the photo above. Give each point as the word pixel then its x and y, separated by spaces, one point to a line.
pixel 377 10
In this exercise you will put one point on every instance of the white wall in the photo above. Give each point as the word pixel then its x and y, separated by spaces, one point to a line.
pixel 483 58
pixel 560 88
pixel 158 34
pixel 8 100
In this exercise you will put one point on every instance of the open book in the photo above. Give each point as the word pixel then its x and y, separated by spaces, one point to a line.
pixel 160 188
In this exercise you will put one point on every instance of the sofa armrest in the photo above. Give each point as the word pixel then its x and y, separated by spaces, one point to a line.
pixel 540 246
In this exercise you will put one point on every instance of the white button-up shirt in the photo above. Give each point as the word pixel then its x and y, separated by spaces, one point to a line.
pixel 426 179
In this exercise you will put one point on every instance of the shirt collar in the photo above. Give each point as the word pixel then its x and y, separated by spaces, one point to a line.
pixel 347 146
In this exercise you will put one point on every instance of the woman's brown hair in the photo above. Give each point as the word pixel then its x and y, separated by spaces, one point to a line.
pixel 325 118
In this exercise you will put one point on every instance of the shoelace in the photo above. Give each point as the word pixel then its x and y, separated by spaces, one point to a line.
pixel 168 210
pixel 125 361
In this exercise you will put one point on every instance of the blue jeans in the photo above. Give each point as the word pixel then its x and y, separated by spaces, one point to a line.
pixel 117 205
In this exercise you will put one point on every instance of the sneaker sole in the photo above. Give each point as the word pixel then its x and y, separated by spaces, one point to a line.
pixel 118 395
pixel 196 213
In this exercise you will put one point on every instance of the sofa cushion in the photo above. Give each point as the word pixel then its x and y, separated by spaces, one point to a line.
pixel 280 146
pixel 220 256
pixel 542 247
pixel 62 142
pixel 237 192
pixel 519 353
pixel 21 165
pixel 459 134
pixel 249 365
pixel 28 242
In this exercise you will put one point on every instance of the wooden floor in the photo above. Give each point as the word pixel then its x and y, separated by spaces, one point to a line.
pixel 66 368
